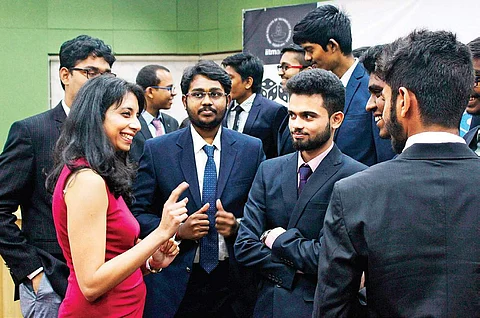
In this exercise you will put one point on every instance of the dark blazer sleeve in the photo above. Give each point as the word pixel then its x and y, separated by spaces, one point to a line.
pixel 16 169
pixel 338 271
pixel 145 181
pixel 249 251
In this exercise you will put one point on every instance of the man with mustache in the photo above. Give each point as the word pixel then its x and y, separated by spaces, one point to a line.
pixel 219 165
pixel 473 107
pixel 279 234
pixel 325 35
pixel 411 224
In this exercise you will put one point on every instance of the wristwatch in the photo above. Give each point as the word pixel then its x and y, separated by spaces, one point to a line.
pixel 263 237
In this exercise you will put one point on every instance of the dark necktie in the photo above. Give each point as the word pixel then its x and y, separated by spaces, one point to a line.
pixel 237 110
pixel 305 172
pixel 157 123
pixel 209 243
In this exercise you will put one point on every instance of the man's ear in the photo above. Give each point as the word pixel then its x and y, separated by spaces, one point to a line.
pixel 229 99
pixel 64 74
pixel 184 101
pixel 148 92
pixel 336 119
pixel 333 46
pixel 405 98
pixel 248 83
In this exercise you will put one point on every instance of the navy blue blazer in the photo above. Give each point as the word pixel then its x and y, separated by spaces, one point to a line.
pixel 285 141
pixel 471 137
pixel 169 160
pixel 412 225
pixel 263 122
pixel 26 159
pixel 136 150
pixel 358 136
pixel 272 202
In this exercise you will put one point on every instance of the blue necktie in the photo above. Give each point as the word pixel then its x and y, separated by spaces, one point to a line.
pixel 209 243
pixel 305 172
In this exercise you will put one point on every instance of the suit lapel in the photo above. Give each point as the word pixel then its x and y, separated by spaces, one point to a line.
pixel 186 158
pixel 352 86
pixel 253 114
pixel 227 158
pixel 327 168
pixel 225 118
pixel 145 132
pixel 289 182
pixel 59 116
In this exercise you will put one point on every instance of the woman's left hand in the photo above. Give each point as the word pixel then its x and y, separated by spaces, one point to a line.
pixel 165 254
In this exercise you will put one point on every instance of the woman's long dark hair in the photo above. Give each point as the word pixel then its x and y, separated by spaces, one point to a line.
pixel 83 135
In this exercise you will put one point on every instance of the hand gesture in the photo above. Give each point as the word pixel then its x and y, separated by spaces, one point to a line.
pixel 174 212
pixel 225 222
pixel 196 225
pixel 165 254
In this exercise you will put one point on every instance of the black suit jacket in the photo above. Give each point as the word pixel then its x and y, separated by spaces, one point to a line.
pixel 161 171
pixel 358 136
pixel 412 225
pixel 471 137
pixel 272 202
pixel 285 142
pixel 263 122
pixel 26 159
pixel 136 150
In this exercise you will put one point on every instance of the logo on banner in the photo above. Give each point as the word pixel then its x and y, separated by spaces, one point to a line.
pixel 278 32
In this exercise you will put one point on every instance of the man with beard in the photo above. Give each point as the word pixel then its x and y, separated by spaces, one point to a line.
pixel 283 217
pixel 473 107
pixel 411 224
pixel 205 279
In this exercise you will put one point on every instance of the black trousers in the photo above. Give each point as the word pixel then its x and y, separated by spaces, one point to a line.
pixel 207 295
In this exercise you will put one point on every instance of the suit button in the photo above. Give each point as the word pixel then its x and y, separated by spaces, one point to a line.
pixel 188 270
pixel 278 286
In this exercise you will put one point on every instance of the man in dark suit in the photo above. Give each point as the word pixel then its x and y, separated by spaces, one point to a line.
pixel 279 234
pixel 32 254
pixel 157 83
pixel 325 35
pixel 251 113
pixel 204 280
pixel 292 62
pixel 411 224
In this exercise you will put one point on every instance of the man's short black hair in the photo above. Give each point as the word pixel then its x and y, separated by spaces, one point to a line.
pixel 474 47
pixel 299 54
pixel 209 69
pixel 370 56
pixel 80 48
pixel 437 69
pixel 322 24
pixel 321 82
pixel 247 65
pixel 148 75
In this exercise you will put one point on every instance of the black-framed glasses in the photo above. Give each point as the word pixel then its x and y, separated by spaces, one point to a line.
pixel 170 89
pixel 477 79
pixel 92 72
pixel 286 67
pixel 200 96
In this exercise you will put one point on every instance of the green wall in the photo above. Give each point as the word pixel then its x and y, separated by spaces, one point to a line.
pixel 30 30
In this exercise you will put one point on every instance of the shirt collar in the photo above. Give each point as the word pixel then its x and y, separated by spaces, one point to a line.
pixel 315 162
pixel 433 137
pixel 247 104
pixel 199 142
pixel 346 77
pixel 66 109
pixel 148 117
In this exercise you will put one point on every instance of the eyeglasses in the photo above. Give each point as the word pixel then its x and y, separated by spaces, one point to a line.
pixel 477 79
pixel 170 89
pixel 200 96
pixel 92 72
pixel 286 67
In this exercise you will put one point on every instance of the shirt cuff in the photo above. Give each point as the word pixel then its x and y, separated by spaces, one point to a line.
pixel 272 236
pixel 35 273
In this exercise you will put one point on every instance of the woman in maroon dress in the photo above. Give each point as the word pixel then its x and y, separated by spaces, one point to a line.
pixel 96 231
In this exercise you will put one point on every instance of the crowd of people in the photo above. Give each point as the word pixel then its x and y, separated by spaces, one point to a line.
pixel 356 200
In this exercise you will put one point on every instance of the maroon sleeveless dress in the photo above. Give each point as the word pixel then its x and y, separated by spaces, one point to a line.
pixel 127 299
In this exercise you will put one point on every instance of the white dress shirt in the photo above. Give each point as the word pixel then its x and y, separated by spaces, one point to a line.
pixel 346 77
pixel 149 118
pixel 242 119
pixel 433 137
pixel 200 162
